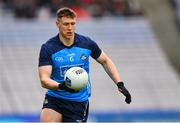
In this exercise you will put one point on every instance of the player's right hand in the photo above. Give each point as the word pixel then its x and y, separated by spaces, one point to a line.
pixel 62 86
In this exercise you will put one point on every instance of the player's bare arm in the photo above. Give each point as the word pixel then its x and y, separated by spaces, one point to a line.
pixel 109 67
pixel 46 81
pixel 111 70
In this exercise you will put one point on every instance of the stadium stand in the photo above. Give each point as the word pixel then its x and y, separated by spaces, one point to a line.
pixel 131 44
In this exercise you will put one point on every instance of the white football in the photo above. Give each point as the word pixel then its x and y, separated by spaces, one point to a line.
pixel 76 78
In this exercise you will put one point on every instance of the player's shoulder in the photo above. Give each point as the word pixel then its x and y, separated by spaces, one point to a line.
pixel 53 41
pixel 84 39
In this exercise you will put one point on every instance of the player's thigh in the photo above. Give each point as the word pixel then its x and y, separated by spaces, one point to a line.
pixel 49 115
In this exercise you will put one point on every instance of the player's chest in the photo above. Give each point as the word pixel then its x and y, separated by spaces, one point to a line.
pixel 74 55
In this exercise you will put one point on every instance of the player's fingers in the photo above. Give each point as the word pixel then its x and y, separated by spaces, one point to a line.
pixel 128 99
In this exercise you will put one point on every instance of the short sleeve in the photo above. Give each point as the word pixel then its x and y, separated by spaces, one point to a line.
pixel 44 56
pixel 96 51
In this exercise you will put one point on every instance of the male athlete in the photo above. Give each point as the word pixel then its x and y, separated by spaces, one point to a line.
pixel 63 51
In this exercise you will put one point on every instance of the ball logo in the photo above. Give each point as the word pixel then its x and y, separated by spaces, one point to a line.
pixel 80 71
pixel 68 81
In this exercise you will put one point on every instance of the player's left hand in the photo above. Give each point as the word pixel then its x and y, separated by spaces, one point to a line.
pixel 124 91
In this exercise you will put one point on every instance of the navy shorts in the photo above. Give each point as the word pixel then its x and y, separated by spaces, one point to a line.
pixel 71 111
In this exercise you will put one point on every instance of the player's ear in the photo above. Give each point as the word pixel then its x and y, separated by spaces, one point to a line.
pixel 57 23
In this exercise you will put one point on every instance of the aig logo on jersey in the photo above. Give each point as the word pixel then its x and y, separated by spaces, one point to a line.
pixel 83 57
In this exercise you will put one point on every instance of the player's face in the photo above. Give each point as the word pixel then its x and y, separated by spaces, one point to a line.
pixel 66 27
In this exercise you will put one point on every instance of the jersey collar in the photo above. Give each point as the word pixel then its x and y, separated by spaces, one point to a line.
pixel 75 40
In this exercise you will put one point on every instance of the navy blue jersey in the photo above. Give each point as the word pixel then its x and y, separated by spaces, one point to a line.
pixel 62 57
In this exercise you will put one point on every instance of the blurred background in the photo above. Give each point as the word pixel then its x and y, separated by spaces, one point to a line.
pixel 140 36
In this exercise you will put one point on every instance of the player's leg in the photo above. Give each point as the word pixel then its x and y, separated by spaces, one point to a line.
pixel 75 111
pixel 60 110
pixel 50 111
pixel 49 115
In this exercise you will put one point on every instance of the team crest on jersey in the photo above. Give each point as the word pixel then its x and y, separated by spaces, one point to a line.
pixel 83 57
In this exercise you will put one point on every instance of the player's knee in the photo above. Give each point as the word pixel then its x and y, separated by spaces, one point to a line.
pixel 50 116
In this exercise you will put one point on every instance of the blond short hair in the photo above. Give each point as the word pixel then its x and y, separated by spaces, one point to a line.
pixel 66 12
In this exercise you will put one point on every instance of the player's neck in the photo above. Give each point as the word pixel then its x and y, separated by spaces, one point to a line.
pixel 66 41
